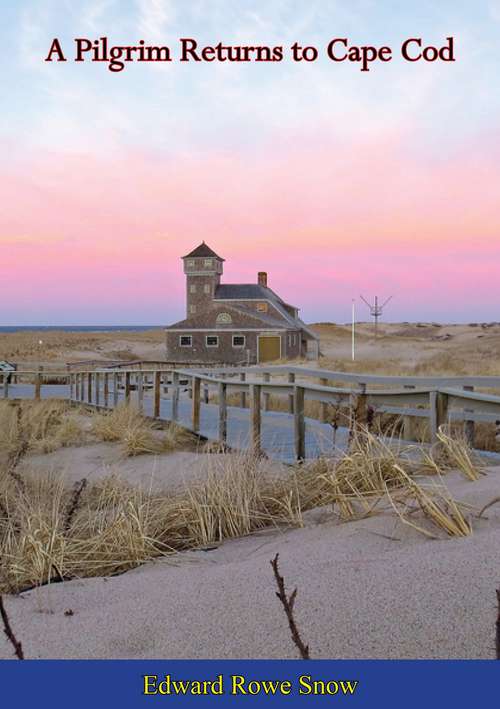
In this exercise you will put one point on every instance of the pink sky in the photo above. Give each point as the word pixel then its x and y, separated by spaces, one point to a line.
pixel 336 182
pixel 98 239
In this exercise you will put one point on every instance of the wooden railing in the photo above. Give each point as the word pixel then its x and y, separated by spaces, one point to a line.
pixel 437 399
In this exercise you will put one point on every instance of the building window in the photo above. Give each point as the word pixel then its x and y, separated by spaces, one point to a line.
pixel 262 307
pixel 186 341
pixel 208 263
pixel 192 309
pixel 190 263
pixel 224 319
pixel 192 288
pixel 212 340
pixel 238 341
pixel 206 288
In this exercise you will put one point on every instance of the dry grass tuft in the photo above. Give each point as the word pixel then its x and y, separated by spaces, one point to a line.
pixel 126 424
pixel 37 427
pixel 374 474
pixel 49 531
pixel 457 454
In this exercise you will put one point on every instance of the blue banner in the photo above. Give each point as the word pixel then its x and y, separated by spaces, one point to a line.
pixel 141 683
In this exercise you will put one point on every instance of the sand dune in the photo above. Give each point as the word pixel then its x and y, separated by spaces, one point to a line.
pixel 373 588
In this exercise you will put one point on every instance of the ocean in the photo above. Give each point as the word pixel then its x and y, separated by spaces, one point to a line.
pixel 78 328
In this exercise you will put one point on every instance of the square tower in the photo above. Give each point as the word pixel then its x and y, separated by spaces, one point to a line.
pixel 203 269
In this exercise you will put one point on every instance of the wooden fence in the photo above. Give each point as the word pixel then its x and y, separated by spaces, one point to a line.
pixel 439 400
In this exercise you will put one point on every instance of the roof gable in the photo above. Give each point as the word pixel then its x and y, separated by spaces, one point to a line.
pixel 208 319
pixel 201 251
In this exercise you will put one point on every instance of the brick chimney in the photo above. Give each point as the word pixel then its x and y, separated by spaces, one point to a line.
pixel 262 278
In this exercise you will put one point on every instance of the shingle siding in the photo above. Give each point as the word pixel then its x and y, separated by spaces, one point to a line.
pixel 249 310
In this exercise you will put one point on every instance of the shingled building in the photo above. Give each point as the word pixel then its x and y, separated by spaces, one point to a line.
pixel 240 323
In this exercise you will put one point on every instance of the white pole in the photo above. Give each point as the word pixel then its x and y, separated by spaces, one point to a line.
pixel 353 328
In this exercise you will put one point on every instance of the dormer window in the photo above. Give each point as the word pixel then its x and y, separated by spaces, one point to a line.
pixel 262 307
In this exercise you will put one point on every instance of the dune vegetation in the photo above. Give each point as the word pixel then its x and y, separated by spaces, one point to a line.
pixel 50 531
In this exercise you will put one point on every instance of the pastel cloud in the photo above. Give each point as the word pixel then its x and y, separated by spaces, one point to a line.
pixel 334 181
pixel 101 239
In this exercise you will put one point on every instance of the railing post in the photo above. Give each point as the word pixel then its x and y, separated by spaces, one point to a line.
pixel 5 386
pixel 359 409
pixel 205 394
pixel 255 417
pixel 469 425
pixel 175 396
pixel 267 378
pixel 408 421
pixel 115 389
pixel 497 435
pixel 89 387
pixel 140 391
pixel 195 396
pixel 127 387
pixel 106 389
pixel 438 404
pixel 243 395
pixel 299 423
pixel 324 406
pixel 38 384
pixel 97 381
pixel 157 394
pixel 442 409
pixel 71 387
pixel 77 387
pixel 222 412
pixel 291 380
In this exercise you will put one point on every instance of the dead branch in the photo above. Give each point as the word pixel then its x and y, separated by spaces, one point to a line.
pixel 490 504
pixel 18 649
pixel 74 503
pixel 288 603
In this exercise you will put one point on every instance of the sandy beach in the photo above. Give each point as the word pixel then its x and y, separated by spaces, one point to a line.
pixel 419 348
pixel 367 588
pixel 370 588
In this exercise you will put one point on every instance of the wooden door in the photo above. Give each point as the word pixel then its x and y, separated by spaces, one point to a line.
pixel 269 348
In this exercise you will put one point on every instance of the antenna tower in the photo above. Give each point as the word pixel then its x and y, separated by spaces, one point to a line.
pixel 376 310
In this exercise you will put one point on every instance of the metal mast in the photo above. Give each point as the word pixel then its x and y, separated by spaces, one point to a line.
pixel 376 310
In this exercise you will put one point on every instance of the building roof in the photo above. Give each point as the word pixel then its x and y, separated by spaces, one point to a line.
pixel 203 250
pixel 254 291
pixel 259 321
pixel 242 291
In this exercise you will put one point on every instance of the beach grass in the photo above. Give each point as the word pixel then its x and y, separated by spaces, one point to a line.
pixel 50 531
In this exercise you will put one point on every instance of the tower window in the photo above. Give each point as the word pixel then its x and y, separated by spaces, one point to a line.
pixel 192 309
pixel 206 288
pixel 212 340
pixel 186 341
pixel 208 263
pixel 192 288
pixel 190 263
pixel 238 341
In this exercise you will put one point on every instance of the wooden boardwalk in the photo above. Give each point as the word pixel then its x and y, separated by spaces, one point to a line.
pixel 277 437
pixel 233 405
